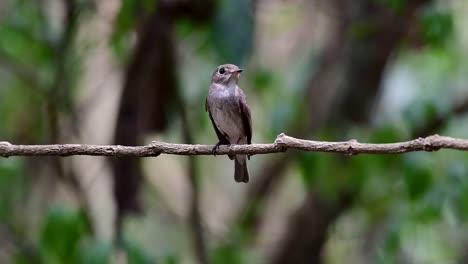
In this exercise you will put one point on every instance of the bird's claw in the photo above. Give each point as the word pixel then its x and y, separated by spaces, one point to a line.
pixel 216 147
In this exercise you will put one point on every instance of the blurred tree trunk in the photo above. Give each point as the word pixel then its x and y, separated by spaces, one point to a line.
pixel 148 89
pixel 318 102
pixel 149 93
pixel 373 31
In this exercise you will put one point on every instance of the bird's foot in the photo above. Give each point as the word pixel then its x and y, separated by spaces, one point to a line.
pixel 216 147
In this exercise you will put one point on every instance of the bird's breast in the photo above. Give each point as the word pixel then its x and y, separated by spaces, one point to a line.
pixel 225 111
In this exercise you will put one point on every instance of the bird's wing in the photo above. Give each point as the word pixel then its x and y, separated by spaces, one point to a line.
pixel 222 137
pixel 246 117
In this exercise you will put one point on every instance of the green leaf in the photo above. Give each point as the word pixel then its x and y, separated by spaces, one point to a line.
pixel 19 45
pixel 363 30
pixel 385 134
pixel 392 243
pixel 169 260
pixel 396 5
pixel 127 17
pixel 263 79
pixel 61 233
pixel 308 165
pixel 135 255
pixel 124 25
pixel 227 254
pixel 233 30
pixel 419 112
pixel 437 26
pixel 360 168
pixel 95 252
pixel 10 170
pixel 281 115
pixel 427 211
pixel 417 177
pixel 26 35
pixel 22 259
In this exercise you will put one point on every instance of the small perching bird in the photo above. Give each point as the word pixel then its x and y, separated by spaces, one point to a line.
pixel 227 107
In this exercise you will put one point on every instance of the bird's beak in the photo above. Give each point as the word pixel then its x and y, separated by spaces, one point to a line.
pixel 236 72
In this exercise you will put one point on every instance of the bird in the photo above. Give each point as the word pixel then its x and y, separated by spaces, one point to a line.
pixel 230 116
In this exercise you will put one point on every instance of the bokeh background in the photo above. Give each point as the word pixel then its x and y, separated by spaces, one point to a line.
pixel 132 71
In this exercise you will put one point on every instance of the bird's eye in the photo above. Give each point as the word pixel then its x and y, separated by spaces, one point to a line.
pixel 222 71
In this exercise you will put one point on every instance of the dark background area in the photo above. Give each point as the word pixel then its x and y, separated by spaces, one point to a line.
pixel 131 71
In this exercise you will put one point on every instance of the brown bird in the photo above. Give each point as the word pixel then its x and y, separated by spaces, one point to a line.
pixel 227 107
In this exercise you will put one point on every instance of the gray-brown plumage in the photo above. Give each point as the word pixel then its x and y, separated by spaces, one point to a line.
pixel 227 107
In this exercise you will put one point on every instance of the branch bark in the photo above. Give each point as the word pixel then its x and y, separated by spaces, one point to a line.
pixel 281 144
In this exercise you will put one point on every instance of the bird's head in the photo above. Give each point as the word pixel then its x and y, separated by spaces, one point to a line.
pixel 226 74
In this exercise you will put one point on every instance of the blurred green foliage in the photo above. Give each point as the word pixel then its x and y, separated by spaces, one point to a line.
pixel 400 192
pixel 437 26
pixel 61 234
pixel 65 238
pixel 396 5
pixel 30 51
pixel 10 186
pixel 228 254
pixel 233 30
pixel 125 23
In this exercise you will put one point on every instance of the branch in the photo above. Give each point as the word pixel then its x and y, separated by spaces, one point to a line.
pixel 281 144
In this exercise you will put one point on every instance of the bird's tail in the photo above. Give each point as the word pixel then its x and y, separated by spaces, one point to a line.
pixel 241 173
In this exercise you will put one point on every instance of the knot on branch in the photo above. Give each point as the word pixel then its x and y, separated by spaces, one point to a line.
pixel 351 147
pixel 430 143
pixel 4 147
pixel 282 141
pixel 155 144
pixel 156 147
pixel 109 150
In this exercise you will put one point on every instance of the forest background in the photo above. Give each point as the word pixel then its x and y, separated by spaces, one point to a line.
pixel 131 71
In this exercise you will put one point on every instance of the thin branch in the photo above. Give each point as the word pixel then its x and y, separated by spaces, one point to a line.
pixel 281 144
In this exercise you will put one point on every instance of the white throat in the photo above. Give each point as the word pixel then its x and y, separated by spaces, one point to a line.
pixel 232 83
